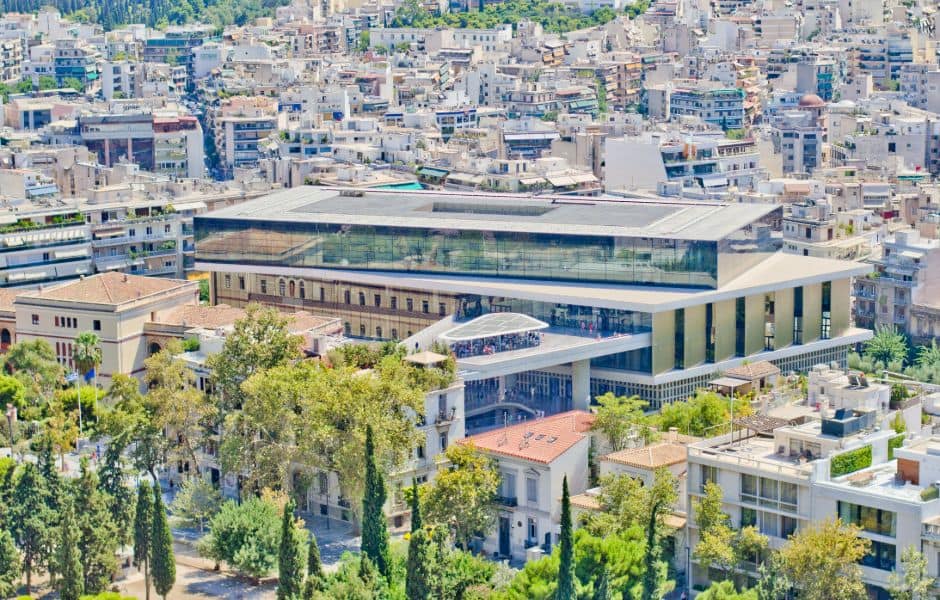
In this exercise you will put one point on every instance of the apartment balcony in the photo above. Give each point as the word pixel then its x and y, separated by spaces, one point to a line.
pixel 446 417
pixel 120 240
pixel 931 532
pixel 507 501
pixel 13 238
pixel 866 293
pixel 156 271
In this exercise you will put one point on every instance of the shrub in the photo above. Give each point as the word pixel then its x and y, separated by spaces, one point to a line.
pixel 930 493
pixel 851 461
pixel 191 344
pixel 894 443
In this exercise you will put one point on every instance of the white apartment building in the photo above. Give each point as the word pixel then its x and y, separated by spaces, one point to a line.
pixel 534 457
pixel 120 79
pixel 812 229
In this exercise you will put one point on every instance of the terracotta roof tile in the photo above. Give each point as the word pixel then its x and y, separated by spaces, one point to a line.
pixel 7 296
pixel 108 288
pixel 539 440
pixel 753 371
pixel 196 315
pixel 652 456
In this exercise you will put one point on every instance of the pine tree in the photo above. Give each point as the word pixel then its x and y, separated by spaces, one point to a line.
pixel 143 524
pixel 163 561
pixel 290 557
pixel 9 565
pixel 602 591
pixel 118 495
pixel 98 539
pixel 566 548
pixel 29 520
pixel 374 525
pixel 71 584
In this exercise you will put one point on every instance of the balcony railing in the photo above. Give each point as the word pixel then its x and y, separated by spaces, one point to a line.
pixel 510 501
pixel 445 417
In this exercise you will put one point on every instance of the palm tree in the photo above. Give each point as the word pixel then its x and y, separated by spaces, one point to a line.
pixel 86 355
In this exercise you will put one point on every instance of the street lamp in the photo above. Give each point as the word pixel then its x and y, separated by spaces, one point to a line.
pixel 11 419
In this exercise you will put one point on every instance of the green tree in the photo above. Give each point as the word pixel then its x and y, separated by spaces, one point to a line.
pixel 143 527
pixel 245 536
pixel 33 363
pixel 259 341
pixel 133 422
pixel 463 495
pixel 314 564
pixel 196 502
pixel 706 413
pixel 912 581
pixel 566 584
pixel 71 584
pixel 12 392
pixel 617 417
pixel 163 565
pixel 290 561
pixel 73 83
pixel 772 584
pixel 86 355
pixel 928 355
pixel 47 82
pixel 10 565
pixel 621 506
pixel 602 590
pixel 417 573
pixel 822 561
pixel 98 537
pixel 374 524
pixel 888 346
pixel 659 500
pixel 29 520
pixel 175 403
pixel 118 495
pixel 725 590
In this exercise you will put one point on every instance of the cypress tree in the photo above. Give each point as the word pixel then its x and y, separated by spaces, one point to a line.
pixel 98 537
pixel 416 581
pixel 163 562
pixel 566 548
pixel 417 573
pixel 30 520
pixel 374 526
pixel 290 558
pixel 314 580
pixel 71 584
pixel 314 565
pixel 602 591
pixel 415 506
pixel 143 523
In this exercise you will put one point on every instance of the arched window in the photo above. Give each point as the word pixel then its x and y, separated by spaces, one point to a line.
pixel 362 331
pixel 378 332
pixel 303 293
pixel 291 287
pixel 282 287
pixel 5 339
pixel 394 334
pixel 154 348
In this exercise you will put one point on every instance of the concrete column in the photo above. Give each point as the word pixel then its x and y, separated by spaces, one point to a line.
pixel 839 302
pixel 723 322
pixel 694 335
pixel 812 312
pixel 581 384
pixel 754 324
pixel 783 318
pixel 664 335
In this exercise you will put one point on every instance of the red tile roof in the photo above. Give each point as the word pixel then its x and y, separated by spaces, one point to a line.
pixel 538 440
pixel 109 288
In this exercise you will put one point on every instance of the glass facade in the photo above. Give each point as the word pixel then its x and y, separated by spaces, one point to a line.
pixel 647 261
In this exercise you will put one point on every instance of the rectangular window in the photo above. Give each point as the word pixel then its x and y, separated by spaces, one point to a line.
pixel 679 339
pixel 739 327
pixel 241 283
pixel 393 302
pixel 56 320
pixel 228 282
pixel 377 300
pixel 709 333
pixel 881 556
pixel 35 319
pixel 443 440
pixel 748 517
pixel 749 488
pixel 826 325
pixel 410 305
pixel 442 309
pixel 787 526
pixel 425 306
pixel 709 474
pixel 798 315
pixel 532 490
pixel 872 520
pixel 264 286
pixel 507 486
pixel 362 299
pixel 96 325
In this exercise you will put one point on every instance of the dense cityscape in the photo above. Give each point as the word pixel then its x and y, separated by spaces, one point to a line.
pixel 470 300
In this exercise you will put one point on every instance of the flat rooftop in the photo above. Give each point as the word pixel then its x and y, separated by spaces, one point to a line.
pixel 660 218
